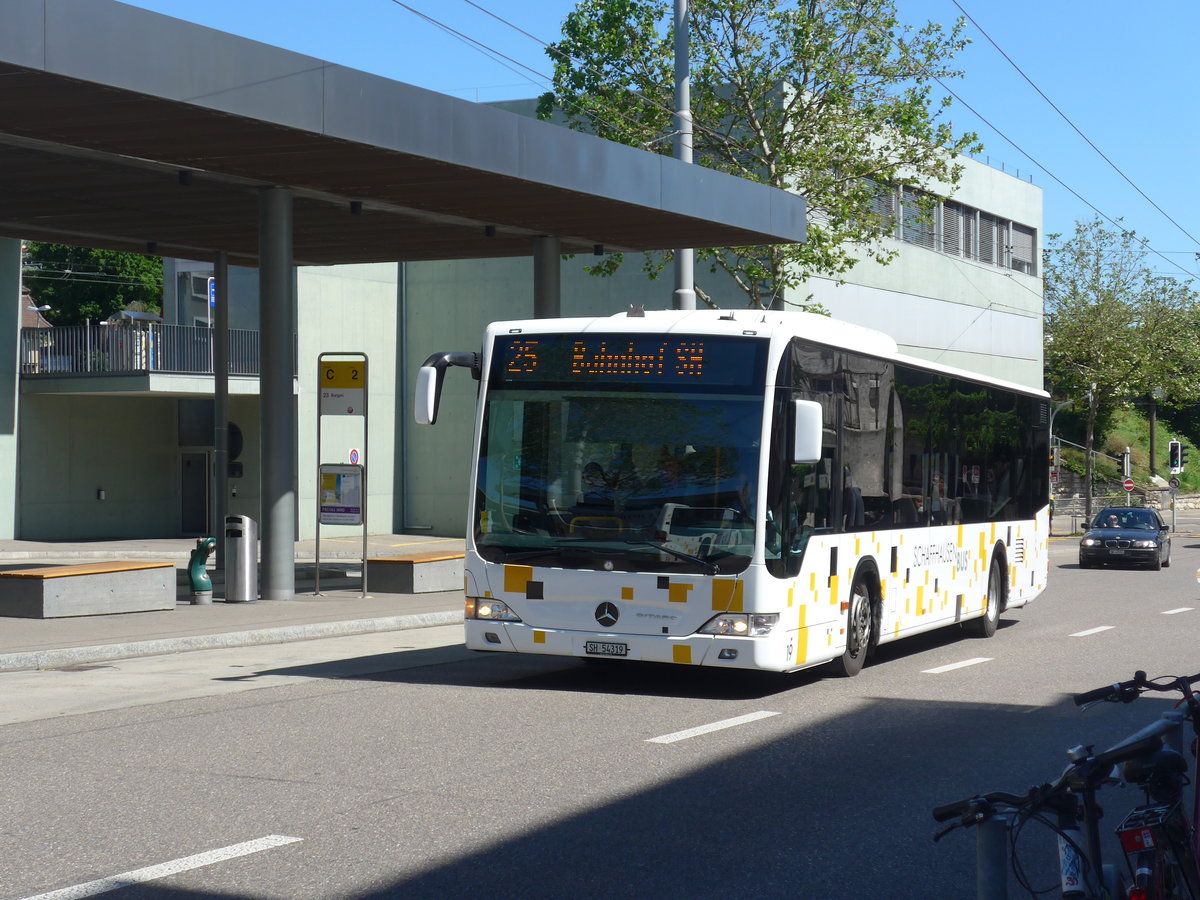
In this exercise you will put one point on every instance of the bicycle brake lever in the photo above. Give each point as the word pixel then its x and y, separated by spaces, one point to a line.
pixel 945 831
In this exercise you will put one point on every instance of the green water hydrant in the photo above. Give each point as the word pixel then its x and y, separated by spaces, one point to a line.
pixel 198 573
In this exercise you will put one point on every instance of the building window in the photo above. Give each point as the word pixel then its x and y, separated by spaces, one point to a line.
pixel 917 224
pixel 957 230
pixel 1023 259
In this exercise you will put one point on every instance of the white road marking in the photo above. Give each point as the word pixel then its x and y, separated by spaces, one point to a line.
pixel 1092 631
pixel 1171 612
pixel 958 665
pixel 162 870
pixel 705 729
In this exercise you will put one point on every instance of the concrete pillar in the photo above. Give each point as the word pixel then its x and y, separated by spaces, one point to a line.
pixel 547 277
pixel 277 327
pixel 220 345
pixel 10 366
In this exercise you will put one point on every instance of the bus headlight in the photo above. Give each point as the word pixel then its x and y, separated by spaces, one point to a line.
pixel 491 610
pixel 741 624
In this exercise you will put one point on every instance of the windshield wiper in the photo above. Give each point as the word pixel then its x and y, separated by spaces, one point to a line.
pixel 586 544
pixel 711 568
pixel 549 549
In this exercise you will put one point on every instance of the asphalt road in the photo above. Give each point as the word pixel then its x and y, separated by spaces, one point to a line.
pixel 399 765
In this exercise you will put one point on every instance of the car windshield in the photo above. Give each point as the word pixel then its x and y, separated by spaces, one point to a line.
pixel 1138 519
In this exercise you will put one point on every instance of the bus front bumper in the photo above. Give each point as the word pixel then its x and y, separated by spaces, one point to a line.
pixel 693 650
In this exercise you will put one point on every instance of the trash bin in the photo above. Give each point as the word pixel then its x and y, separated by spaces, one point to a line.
pixel 241 559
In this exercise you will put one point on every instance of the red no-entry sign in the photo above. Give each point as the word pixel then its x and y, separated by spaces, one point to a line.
pixel 1128 484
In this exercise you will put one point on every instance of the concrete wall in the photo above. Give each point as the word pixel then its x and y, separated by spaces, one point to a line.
pixel 349 309
pixel 950 310
pixel 73 446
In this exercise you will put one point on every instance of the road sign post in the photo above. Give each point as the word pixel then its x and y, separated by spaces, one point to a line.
pixel 1174 483
pixel 341 489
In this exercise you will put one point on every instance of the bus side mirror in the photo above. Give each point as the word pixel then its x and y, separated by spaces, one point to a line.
pixel 425 403
pixel 429 382
pixel 806 434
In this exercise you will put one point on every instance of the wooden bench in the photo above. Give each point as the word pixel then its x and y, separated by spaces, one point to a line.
pixel 416 573
pixel 88 589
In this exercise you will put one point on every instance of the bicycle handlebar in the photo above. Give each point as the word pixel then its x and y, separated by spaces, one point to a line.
pixel 1128 691
pixel 981 804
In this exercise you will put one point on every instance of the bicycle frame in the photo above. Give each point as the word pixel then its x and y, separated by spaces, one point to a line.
pixel 1161 847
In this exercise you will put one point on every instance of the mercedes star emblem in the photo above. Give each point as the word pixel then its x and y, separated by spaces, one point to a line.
pixel 607 614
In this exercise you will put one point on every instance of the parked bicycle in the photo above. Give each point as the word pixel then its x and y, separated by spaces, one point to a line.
pixel 1158 838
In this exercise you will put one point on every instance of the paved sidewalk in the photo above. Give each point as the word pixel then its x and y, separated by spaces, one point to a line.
pixel 340 609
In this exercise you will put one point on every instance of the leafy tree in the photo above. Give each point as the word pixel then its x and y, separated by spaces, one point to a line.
pixel 80 283
pixel 1113 323
pixel 828 98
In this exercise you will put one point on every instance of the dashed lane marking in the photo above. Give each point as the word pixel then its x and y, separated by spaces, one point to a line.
pixel 715 726
pixel 1171 612
pixel 1092 631
pixel 958 665
pixel 162 870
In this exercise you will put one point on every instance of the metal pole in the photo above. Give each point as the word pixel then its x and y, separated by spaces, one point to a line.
pixel 220 357
pixel 991 858
pixel 547 277
pixel 317 505
pixel 685 279
pixel 1153 429
pixel 366 419
pixel 277 318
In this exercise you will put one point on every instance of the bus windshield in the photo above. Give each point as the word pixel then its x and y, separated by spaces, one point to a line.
pixel 596 474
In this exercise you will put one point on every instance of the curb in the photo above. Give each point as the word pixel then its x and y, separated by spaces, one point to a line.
pixel 71 656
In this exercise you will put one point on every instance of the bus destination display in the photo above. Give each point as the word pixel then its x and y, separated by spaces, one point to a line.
pixel 648 359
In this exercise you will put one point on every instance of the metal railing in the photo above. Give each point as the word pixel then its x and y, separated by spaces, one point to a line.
pixel 123 349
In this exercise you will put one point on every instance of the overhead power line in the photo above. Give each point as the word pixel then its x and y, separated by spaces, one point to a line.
pixel 1049 174
pixel 1075 127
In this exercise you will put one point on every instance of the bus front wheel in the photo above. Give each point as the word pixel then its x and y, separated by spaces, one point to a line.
pixel 860 624
pixel 985 625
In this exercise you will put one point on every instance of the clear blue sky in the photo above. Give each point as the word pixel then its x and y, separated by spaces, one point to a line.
pixel 1122 73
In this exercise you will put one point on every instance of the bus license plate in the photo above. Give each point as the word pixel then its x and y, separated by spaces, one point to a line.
pixel 606 648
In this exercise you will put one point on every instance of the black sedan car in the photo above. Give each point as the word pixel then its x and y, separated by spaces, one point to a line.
pixel 1129 535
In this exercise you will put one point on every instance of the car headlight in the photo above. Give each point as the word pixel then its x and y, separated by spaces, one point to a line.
pixel 741 624
pixel 1091 542
pixel 1146 545
pixel 491 610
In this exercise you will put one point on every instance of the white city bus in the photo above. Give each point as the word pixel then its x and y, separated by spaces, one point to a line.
pixel 743 489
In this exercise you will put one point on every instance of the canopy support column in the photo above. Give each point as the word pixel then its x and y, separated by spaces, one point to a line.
pixel 277 329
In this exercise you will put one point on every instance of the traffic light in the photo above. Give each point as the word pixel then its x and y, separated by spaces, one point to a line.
pixel 1182 457
pixel 1054 454
pixel 1175 456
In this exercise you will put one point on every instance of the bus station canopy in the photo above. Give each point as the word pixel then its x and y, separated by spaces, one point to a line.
pixel 125 129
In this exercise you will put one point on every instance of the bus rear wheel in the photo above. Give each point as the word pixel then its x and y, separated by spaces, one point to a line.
pixel 860 625
pixel 985 625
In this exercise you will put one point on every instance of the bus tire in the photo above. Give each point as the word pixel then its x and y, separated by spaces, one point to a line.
pixel 860 628
pixel 985 625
